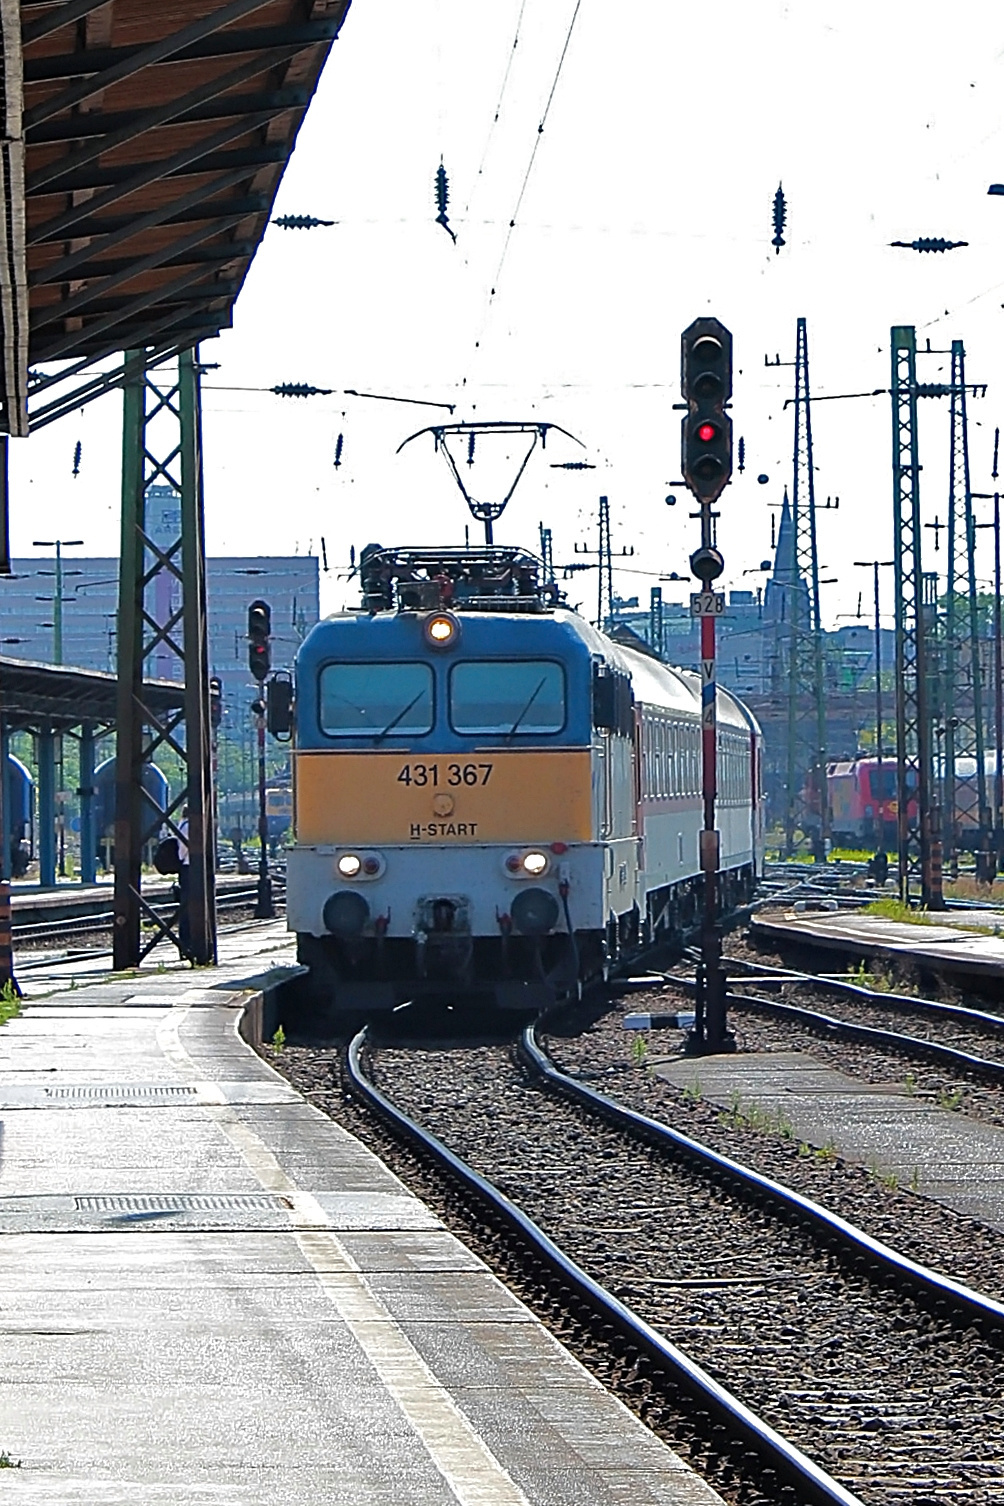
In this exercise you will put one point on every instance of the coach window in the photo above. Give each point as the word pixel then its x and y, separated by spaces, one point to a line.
pixel 507 697
pixel 376 700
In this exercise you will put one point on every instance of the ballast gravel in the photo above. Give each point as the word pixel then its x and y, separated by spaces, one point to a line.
pixel 887 1396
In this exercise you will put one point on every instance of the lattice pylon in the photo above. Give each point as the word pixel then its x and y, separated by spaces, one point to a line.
pixel 964 805
pixel 806 807
pixel 166 629
pixel 913 731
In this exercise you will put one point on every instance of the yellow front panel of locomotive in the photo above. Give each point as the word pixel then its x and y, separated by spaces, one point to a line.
pixel 365 799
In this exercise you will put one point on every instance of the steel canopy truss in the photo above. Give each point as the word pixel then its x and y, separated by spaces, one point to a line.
pixel 154 140
pixel 807 807
pixel 913 728
pixel 962 678
pixel 162 444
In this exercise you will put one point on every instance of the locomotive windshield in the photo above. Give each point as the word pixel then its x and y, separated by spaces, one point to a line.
pixel 374 700
pixel 498 695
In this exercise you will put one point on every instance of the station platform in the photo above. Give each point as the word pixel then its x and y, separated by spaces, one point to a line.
pixel 943 948
pixel 942 1154
pixel 212 1294
pixel 31 904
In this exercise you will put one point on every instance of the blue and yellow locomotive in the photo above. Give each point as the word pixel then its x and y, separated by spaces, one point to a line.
pixel 493 797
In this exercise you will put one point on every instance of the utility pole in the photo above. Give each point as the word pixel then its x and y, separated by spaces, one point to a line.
pixel 57 589
pixel 963 688
pixel 605 561
pixel 919 866
pixel 706 381
pixel 605 595
pixel 807 807
pixel 656 624
pixel 806 736
pixel 547 553
pixel 996 856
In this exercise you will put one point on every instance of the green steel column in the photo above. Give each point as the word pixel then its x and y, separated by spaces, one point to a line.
pixel 201 823
pixel 47 807
pixel 85 792
pixel 913 730
pixel 129 721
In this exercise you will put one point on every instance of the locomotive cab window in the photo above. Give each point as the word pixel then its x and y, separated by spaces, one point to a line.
pixel 507 696
pixel 376 700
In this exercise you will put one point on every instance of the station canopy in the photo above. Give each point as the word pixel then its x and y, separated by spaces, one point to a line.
pixel 38 696
pixel 143 145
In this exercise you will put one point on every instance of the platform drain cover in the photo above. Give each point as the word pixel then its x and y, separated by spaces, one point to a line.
pixel 185 1202
pixel 114 1092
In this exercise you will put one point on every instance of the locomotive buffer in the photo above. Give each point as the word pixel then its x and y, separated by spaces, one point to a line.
pixel 706 383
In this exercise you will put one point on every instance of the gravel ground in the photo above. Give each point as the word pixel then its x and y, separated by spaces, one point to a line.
pixel 890 1399
pixel 763 1032
pixel 919 1227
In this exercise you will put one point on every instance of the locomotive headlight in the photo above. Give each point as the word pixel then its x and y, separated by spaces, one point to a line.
pixel 534 863
pixel 349 865
pixel 442 630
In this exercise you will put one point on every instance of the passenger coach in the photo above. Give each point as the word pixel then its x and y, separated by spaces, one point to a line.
pixel 492 796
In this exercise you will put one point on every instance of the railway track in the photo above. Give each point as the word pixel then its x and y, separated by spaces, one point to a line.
pixel 43 937
pixel 735 1315
pixel 956 1037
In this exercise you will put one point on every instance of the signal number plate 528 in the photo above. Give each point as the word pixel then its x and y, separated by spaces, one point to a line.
pixel 440 775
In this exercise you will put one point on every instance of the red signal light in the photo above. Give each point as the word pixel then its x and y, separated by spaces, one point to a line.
pixel 706 433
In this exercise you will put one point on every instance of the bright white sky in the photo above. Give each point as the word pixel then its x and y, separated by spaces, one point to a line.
pixel 649 203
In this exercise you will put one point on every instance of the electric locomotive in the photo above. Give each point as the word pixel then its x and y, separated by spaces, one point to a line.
pixel 491 796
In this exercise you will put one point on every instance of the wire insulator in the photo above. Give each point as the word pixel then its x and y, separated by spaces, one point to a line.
pixel 929 243
pixel 300 222
pixel 442 200
pixel 780 220
pixel 77 451
pixel 338 450
pixel 300 389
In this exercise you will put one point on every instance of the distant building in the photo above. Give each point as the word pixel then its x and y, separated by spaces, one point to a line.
pixel 289 583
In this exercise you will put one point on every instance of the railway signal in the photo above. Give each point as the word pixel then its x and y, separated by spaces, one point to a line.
pixel 706 380
pixel 259 640
pixel 706 383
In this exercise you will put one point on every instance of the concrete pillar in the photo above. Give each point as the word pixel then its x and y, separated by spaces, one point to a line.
pixel 88 870
pixel 47 807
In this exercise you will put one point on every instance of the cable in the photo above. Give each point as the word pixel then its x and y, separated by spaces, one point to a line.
pixel 498 106
pixel 526 177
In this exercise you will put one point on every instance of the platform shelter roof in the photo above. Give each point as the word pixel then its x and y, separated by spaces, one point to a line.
pixel 56 696
pixel 142 148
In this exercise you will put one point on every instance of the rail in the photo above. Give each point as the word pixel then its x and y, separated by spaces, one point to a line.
pixel 775 1453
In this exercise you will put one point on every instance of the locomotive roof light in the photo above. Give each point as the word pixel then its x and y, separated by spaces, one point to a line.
pixel 442 630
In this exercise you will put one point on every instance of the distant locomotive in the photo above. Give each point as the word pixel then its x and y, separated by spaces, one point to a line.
pixel 278 813
pixel 864 805
pixel 492 796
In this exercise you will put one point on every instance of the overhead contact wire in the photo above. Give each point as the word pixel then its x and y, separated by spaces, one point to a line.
pixel 527 174
pixel 498 105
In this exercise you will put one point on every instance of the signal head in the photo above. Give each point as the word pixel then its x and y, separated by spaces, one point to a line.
pixel 707 565
pixel 706 380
